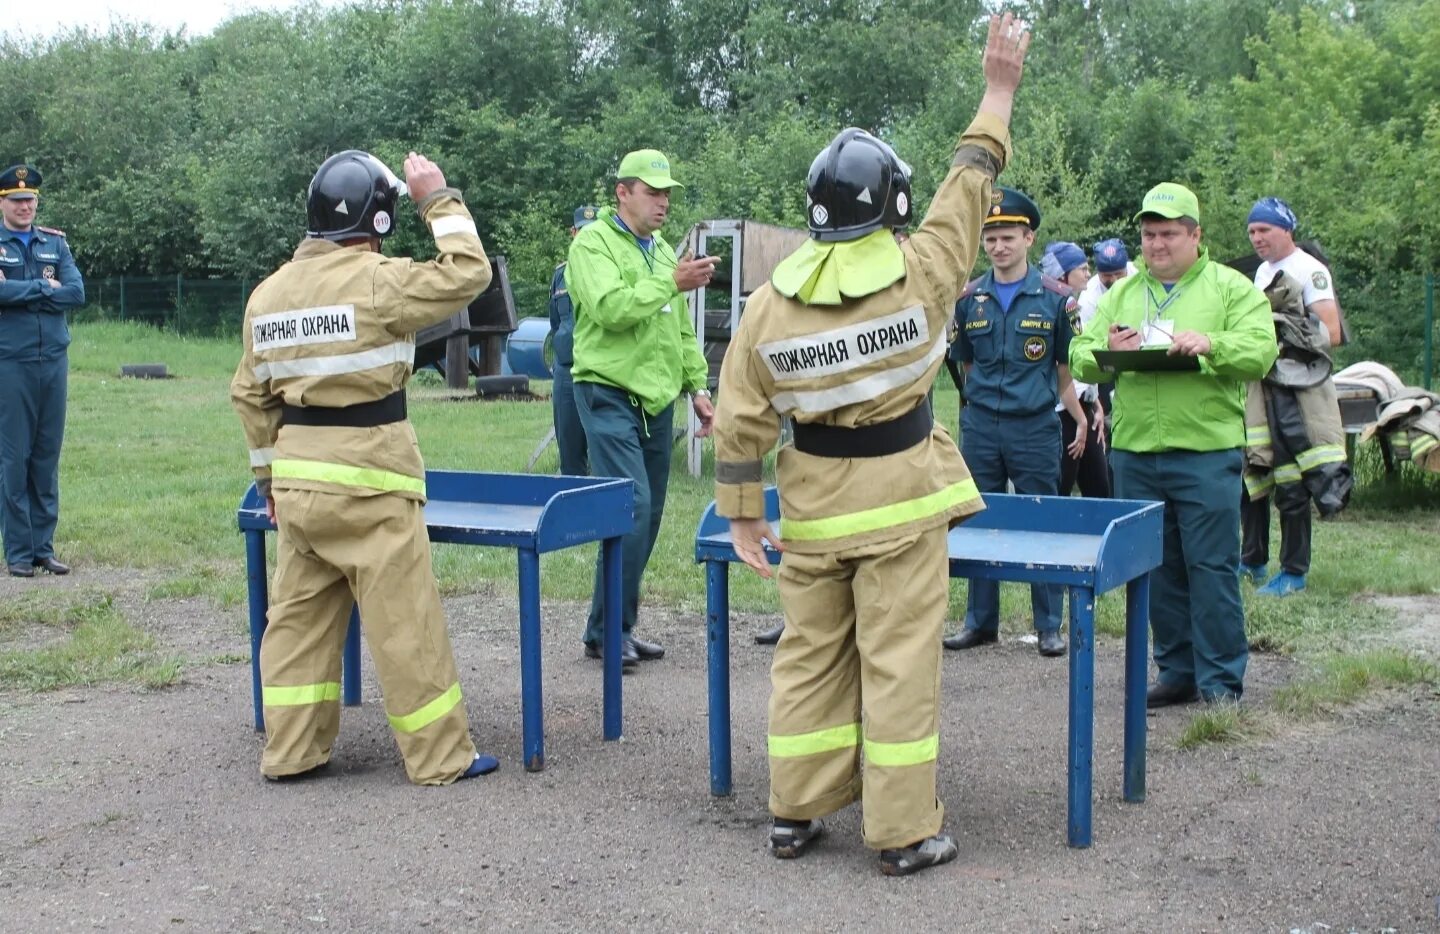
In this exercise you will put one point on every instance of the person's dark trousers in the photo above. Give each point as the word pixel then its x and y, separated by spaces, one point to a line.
pixel 1025 450
pixel 569 433
pixel 625 441
pixel 1195 611
pixel 1091 470
pixel 32 427
pixel 1295 533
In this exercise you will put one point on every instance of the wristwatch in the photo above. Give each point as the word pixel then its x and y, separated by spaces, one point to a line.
pixel 701 393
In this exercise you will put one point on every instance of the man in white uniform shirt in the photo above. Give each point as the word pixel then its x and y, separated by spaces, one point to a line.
pixel 1271 226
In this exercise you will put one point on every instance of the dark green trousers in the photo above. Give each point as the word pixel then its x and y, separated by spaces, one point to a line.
pixel 625 441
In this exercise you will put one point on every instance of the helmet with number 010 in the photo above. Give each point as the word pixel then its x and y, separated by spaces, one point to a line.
pixel 856 185
pixel 353 194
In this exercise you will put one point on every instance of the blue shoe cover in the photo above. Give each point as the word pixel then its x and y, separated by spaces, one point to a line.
pixel 1255 573
pixel 1282 585
pixel 483 765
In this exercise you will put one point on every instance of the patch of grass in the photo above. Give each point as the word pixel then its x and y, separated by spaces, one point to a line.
pixel 1220 723
pixel 1343 679
pixel 101 647
pixel 44 608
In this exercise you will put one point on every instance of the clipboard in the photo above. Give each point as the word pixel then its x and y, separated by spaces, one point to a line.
pixel 1145 361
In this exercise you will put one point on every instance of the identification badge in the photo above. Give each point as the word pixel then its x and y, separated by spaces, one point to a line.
pixel 1160 333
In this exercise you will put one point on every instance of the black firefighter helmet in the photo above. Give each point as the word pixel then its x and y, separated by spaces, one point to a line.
pixel 353 194
pixel 856 185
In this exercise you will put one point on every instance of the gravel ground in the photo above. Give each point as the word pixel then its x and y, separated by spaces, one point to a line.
pixel 140 811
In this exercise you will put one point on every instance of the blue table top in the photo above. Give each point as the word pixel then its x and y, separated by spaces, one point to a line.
pixel 1099 543
pixel 509 510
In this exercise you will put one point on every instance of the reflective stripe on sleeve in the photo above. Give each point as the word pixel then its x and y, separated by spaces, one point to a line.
pixel 398 352
pixel 1422 445
pixel 881 517
pixel 1287 473
pixel 1257 435
pixel 1259 484
pixel 300 694
pixel 420 719
pixel 370 477
pixel 861 390
pixel 808 744
pixel 737 471
pixel 1320 454
pixel 444 226
pixel 914 752
pixel 261 457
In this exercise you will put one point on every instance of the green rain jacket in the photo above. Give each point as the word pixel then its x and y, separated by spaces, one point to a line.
pixel 1167 411
pixel 632 325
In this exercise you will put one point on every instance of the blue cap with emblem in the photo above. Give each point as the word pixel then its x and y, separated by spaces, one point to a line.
pixel 1110 255
pixel 1011 208
pixel 20 182
pixel 584 214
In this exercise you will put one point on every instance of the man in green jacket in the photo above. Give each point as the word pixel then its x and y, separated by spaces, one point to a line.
pixel 635 353
pixel 1179 435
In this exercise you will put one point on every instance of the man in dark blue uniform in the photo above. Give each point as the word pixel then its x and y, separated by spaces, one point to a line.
pixel 569 433
pixel 1014 340
pixel 38 284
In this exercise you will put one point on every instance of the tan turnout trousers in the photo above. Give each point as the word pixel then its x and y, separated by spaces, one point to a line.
pixel 335 551
pixel 864 622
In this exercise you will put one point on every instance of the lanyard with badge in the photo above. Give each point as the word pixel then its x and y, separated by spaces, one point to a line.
pixel 648 254
pixel 1158 331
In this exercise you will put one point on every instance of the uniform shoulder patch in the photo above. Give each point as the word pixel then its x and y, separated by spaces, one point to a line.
pixel 969 288
pixel 1051 284
pixel 51 230
pixel 1319 279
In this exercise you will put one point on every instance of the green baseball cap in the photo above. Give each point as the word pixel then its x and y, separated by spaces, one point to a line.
pixel 650 166
pixel 1168 199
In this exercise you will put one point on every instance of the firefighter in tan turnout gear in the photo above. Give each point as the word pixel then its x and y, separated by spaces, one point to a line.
pixel 320 390
pixel 846 340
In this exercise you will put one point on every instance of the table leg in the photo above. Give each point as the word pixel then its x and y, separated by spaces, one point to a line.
pixel 350 663
pixel 613 558
pixel 532 712
pixel 717 630
pixel 255 574
pixel 1082 713
pixel 1137 666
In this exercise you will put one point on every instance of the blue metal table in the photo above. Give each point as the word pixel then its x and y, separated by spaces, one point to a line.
pixel 528 513
pixel 1087 545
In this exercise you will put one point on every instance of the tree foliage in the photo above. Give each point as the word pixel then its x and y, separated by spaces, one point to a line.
pixel 176 154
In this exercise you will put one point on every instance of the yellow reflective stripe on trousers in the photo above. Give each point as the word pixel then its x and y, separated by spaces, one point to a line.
pixel 881 517
pixel 300 694
pixel 914 752
pixel 286 469
pixel 1320 454
pixel 420 719
pixel 1425 443
pixel 808 744
pixel 1257 436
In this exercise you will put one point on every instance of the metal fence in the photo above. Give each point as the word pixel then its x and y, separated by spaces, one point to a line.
pixel 212 307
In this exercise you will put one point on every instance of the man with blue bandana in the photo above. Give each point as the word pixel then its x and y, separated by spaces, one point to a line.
pixel 38 285
pixel 1271 228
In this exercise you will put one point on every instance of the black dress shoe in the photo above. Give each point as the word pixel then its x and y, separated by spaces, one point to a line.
pixel 22 570
pixel 53 566
pixel 628 658
pixel 645 651
pixel 1051 644
pixel 769 636
pixel 969 638
pixel 1168 695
